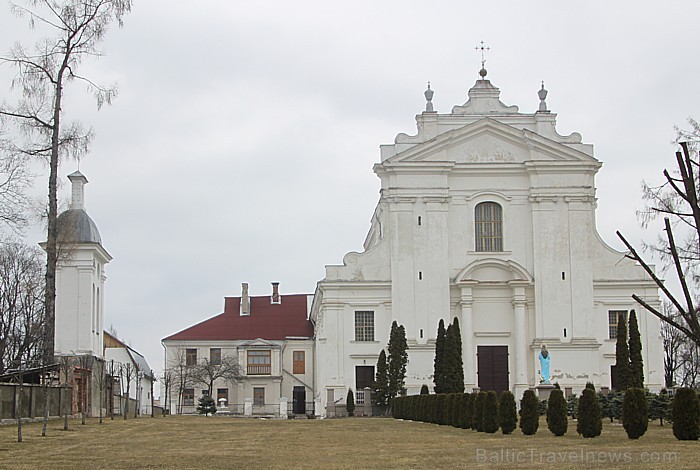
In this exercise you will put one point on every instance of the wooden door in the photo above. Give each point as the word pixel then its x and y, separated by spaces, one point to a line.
pixel 492 366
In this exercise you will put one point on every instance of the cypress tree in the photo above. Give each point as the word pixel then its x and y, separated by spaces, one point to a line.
pixel 452 366
pixel 622 356
pixel 635 414
pixel 438 376
pixel 635 348
pixel 350 403
pixel 397 359
pixel 464 418
pixel 469 411
pixel 557 421
pixel 490 414
pixel 589 423
pixel 206 406
pixel 478 416
pixel 686 415
pixel 507 413
pixel 380 388
pixel 529 413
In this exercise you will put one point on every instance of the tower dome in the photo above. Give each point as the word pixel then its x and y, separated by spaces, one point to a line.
pixel 75 225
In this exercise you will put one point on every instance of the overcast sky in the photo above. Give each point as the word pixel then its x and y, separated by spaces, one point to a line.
pixel 241 145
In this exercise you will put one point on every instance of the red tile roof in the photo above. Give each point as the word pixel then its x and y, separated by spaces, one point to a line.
pixel 266 320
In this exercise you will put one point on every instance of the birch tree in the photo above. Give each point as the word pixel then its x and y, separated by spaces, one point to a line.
pixel 74 29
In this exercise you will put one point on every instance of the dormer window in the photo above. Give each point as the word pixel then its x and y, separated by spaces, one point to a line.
pixel 488 227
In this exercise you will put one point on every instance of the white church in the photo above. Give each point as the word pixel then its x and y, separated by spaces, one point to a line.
pixel 487 215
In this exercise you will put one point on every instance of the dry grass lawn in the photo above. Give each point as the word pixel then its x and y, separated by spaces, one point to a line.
pixel 225 442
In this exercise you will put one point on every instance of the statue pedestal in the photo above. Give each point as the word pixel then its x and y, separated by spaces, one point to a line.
pixel 543 391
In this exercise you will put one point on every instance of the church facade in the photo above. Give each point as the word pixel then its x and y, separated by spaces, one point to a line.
pixel 486 215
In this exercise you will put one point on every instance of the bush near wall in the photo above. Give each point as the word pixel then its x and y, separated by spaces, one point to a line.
pixel 589 423
pixel 490 413
pixel 529 413
pixel 465 421
pixel 635 413
pixel 507 413
pixel 686 415
pixel 478 418
pixel 557 421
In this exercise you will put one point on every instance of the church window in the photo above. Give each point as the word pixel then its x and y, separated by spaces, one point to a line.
pixel 488 226
pixel 222 393
pixel 364 326
pixel 191 357
pixel 299 362
pixel 188 397
pixel 260 362
pixel 215 356
pixel 613 318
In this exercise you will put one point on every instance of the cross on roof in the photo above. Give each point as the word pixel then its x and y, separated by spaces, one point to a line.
pixel 483 48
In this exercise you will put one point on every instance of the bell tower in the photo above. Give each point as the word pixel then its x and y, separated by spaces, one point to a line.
pixel 80 278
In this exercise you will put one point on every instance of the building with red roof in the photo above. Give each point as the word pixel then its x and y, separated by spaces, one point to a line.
pixel 255 358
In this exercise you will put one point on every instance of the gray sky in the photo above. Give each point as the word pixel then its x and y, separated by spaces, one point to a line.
pixel 240 148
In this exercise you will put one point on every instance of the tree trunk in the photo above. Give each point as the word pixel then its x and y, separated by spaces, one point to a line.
pixel 47 404
pixel 18 410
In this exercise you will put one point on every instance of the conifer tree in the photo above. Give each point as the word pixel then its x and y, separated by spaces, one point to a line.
pixel 557 421
pixel 635 348
pixel 635 414
pixel 686 415
pixel 380 388
pixel 206 406
pixel 465 417
pixel 424 390
pixel 478 417
pixel 622 356
pixel 490 414
pixel 469 412
pixel 397 360
pixel 589 423
pixel 529 413
pixel 453 369
pixel 507 413
pixel 350 403
pixel 660 406
pixel 438 376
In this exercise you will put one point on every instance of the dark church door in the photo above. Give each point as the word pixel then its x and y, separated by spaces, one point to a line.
pixel 299 400
pixel 492 368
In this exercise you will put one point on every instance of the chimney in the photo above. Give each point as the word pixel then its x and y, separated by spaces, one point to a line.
pixel 276 293
pixel 78 180
pixel 245 300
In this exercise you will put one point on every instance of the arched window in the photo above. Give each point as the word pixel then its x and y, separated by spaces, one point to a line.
pixel 488 226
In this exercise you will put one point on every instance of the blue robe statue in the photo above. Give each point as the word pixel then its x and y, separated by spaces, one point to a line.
pixel 544 365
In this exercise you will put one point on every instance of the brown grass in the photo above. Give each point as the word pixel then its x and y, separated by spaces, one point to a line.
pixel 225 442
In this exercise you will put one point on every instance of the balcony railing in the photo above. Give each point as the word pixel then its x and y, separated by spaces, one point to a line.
pixel 259 370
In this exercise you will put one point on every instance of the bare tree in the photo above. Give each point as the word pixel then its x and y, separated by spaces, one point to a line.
pixel 100 376
pixel 42 75
pixel 21 305
pixel 128 372
pixel 168 380
pixel 182 374
pixel 66 370
pixel 15 179
pixel 85 363
pixel 207 372
pixel 113 372
pixel 677 198
pixel 674 343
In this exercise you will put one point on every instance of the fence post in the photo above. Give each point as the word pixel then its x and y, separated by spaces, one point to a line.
pixel 283 408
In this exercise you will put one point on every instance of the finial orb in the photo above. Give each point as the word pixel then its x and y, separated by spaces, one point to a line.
pixel 483 73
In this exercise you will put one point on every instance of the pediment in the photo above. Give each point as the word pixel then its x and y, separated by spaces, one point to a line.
pixel 259 343
pixel 491 141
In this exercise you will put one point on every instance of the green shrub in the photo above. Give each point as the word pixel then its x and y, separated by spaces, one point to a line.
pixel 468 411
pixel 635 413
pixel 350 403
pixel 557 421
pixel 464 411
pixel 659 406
pixel 507 413
pixel 478 417
pixel 529 413
pixel 543 407
pixel 589 423
pixel 450 409
pixel 686 415
pixel 490 413
pixel 439 410
pixel 206 405
pixel 572 405
pixel 424 390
